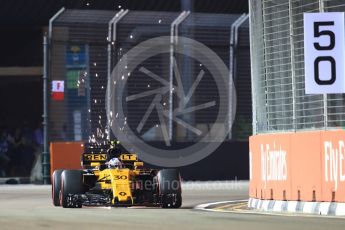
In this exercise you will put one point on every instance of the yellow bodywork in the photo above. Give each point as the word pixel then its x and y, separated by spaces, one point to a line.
pixel 119 180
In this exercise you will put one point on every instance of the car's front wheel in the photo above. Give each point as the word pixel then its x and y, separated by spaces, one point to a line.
pixel 71 184
pixel 56 187
pixel 169 188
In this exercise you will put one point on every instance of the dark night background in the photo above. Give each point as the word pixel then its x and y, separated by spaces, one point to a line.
pixel 22 25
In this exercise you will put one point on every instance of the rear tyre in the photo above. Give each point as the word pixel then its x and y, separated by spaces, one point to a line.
pixel 169 188
pixel 56 187
pixel 71 184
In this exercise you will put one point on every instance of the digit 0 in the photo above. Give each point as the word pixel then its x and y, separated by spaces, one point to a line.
pixel 317 73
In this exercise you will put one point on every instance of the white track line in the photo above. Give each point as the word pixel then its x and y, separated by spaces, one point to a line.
pixel 203 207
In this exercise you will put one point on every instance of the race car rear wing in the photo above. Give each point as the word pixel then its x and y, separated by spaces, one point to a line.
pixel 97 154
pixel 94 153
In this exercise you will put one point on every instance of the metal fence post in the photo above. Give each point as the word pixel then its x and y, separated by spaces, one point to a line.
pixel 253 92
pixel 292 58
pixel 173 42
pixel 46 60
pixel 268 123
pixel 111 40
pixel 232 66
pixel 325 112
pixel 45 153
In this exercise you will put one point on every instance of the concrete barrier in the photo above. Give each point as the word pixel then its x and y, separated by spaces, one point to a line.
pixel 302 166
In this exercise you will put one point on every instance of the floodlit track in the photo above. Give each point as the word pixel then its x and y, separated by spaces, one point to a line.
pixel 30 207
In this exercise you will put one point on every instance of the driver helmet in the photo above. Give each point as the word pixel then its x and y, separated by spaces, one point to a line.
pixel 115 162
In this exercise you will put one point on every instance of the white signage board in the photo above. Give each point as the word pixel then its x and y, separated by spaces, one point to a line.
pixel 58 86
pixel 324 53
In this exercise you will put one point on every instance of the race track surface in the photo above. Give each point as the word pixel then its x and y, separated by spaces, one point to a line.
pixel 30 207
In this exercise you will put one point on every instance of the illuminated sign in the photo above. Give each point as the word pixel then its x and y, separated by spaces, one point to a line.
pixel 58 90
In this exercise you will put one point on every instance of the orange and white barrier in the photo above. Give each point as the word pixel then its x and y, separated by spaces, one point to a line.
pixel 305 166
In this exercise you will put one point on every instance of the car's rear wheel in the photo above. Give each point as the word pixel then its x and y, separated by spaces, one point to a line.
pixel 56 186
pixel 169 188
pixel 71 184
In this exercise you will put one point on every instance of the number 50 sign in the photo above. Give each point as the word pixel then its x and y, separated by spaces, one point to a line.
pixel 324 53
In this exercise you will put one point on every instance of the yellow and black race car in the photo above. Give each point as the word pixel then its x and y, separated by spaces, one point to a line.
pixel 126 184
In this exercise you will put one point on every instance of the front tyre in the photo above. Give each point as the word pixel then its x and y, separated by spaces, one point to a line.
pixel 56 187
pixel 71 184
pixel 169 188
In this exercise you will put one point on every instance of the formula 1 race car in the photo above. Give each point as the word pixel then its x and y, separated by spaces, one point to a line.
pixel 128 184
